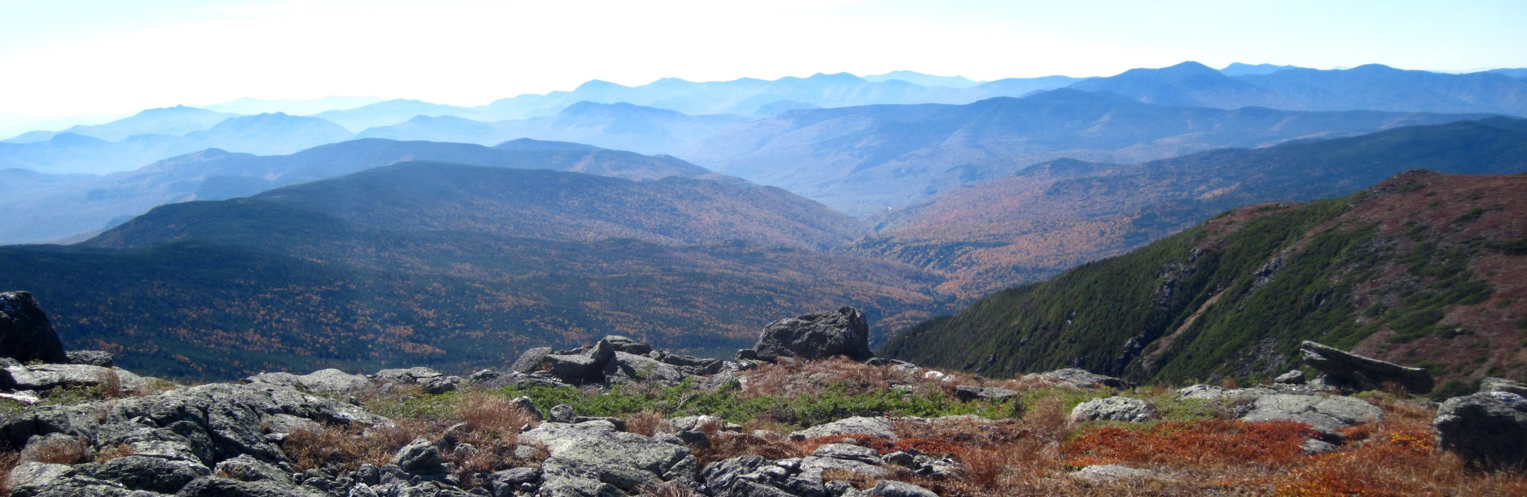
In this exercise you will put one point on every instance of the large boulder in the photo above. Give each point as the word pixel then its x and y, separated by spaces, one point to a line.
pixel 817 335
pixel 1489 429
pixel 1322 413
pixel 324 380
pixel 1502 385
pixel 26 335
pixel 858 425
pixel 1354 372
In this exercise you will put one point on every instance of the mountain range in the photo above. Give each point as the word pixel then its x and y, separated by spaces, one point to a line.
pixel 864 160
pixel 1424 268
pixel 71 152
pixel 51 207
pixel 620 126
pixel 1045 219
pixel 453 265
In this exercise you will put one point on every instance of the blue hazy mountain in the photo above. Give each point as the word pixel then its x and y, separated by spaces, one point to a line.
pixel 1368 87
pixel 1515 73
pixel 71 152
pixel 388 112
pixel 1239 69
pixel 619 126
pixel 43 207
pixel 171 121
pixel 866 159
pixel 294 107
pixel 918 78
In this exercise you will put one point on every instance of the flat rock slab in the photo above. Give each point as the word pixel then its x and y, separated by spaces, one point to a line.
pixel 621 458
pixel 859 425
pixel 1111 472
pixel 1113 409
pixel 1082 378
pixel 1321 413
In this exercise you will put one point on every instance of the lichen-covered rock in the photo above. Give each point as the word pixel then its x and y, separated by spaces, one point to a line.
pixel 419 456
pixel 969 393
pixel 214 486
pixel 893 488
pixel 1354 372
pixel 91 358
pixel 153 474
pixel 1113 409
pixel 530 361
pixel 817 335
pixel 1489 429
pixel 1502 385
pixel 26 334
pixel 1081 378
pixel 595 450
pixel 417 374
pixel 1295 377
pixel 1110 472
pixel 1322 413
pixel 858 425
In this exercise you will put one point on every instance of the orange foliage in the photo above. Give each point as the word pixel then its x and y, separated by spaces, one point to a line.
pixel 1203 444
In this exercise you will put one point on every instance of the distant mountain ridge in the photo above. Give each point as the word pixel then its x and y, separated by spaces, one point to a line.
pixel 863 160
pixel 74 204
pixel 619 126
pixel 70 152
pixel 1367 87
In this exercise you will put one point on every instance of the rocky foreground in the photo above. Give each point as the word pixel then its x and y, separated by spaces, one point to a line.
pixel 808 412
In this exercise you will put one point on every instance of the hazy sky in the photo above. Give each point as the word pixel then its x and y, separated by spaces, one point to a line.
pixel 62 57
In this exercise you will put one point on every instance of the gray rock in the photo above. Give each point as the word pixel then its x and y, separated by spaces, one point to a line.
pixel 409 375
pixel 747 488
pixel 1321 413
pixel 859 425
pixel 627 345
pixel 326 380
pixel 1489 429
pixel 812 467
pixel 530 360
pixel 1315 446
pixel 849 452
pixel 817 335
pixel 576 368
pixel 36 474
pixel 26 334
pixel 563 413
pixel 892 488
pixel 1113 409
pixel 969 393
pixel 529 406
pixel 362 490
pixel 419 456
pixel 1082 378
pixel 1110 472
pixel 900 458
pixel 441 384
pixel 42 377
pixel 214 486
pixel 630 368
pixel 90 357
pixel 1354 372
pixel 626 460
pixel 151 473
pixel 245 468
pixel 720 476
pixel 1502 385
pixel 1295 377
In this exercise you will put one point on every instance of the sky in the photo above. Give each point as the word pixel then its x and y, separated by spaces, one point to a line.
pixel 74 60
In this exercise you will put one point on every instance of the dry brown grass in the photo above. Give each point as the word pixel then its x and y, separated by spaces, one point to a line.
pixel 57 450
pixel 8 461
pixel 111 383
pixel 648 423
pixel 349 446
pixel 113 453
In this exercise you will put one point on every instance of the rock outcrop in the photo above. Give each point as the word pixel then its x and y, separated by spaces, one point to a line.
pixel 1113 409
pixel 817 335
pixel 1081 378
pixel 1489 429
pixel 26 335
pixel 1322 413
pixel 1352 372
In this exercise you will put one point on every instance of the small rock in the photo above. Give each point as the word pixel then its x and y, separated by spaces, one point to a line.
pixel 563 413
pixel 90 357
pixel 1295 377
pixel 1110 472
pixel 969 393
pixel 892 488
pixel 1316 446
pixel 419 456
pixel 1082 378
pixel 1113 409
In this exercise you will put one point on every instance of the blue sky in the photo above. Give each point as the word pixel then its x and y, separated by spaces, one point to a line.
pixel 70 58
